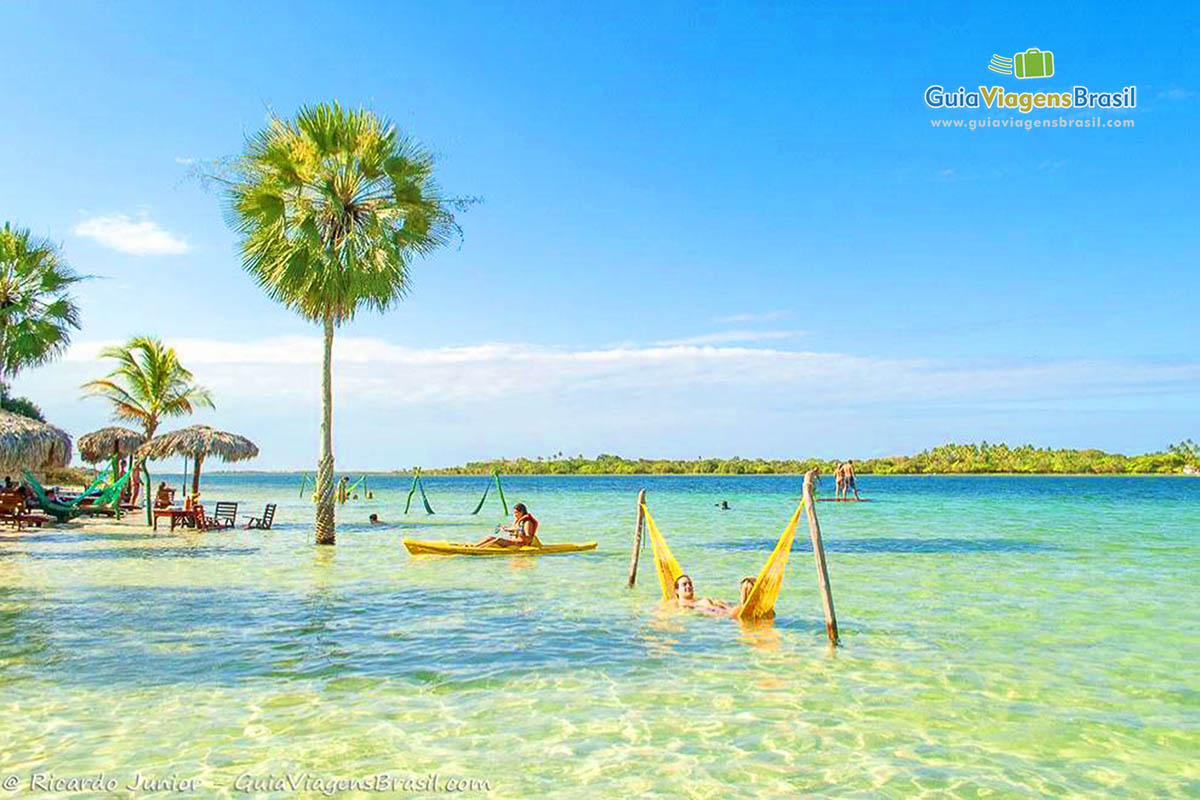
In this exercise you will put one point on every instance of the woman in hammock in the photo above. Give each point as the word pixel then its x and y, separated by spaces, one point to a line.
pixel 745 587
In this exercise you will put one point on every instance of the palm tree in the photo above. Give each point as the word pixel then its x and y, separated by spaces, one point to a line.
pixel 147 385
pixel 331 208
pixel 37 314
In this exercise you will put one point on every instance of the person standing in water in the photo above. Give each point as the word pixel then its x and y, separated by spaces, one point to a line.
pixel 524 530
pixel 839 481
pixel 848 476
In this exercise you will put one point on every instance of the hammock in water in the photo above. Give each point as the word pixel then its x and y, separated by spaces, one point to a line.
pixel 417 485
pixel 486 488
pixel 761 601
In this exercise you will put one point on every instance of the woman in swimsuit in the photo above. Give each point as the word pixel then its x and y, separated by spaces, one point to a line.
pixel 524 530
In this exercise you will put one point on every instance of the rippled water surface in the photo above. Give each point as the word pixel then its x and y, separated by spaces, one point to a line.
pixel 1001 635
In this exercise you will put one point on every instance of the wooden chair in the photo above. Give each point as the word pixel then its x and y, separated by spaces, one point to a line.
pixel 13 512
pixel 225 515
pixel 198 519
pixel 264 522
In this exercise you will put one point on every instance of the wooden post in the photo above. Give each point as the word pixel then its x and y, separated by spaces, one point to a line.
pixel 637 539
pixel 814 531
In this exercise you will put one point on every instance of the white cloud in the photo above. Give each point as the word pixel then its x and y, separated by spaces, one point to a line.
pixel 135 237
pixel 373 369
pixel 766 316
pixel 400 405
pixel 184 161
pixel 732 337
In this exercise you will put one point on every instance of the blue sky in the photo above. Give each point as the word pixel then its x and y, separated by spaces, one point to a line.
pixel 705 231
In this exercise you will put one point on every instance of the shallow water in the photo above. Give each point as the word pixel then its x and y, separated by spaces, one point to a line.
pixel 1000 635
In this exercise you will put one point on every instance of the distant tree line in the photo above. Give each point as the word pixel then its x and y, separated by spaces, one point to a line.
pixel 982 458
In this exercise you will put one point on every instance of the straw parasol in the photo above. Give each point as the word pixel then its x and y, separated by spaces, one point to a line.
pixel 199 442
pixel 109 443
pixel 25 442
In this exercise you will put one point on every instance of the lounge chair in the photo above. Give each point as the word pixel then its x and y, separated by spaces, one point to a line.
pixel 264 522
pixel 225 515
pixel 13 512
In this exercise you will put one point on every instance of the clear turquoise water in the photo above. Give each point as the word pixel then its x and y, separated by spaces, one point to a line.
pixel 1001 636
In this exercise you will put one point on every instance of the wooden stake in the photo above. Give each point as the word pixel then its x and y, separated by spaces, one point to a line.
pixel 637 539
pixel 814 530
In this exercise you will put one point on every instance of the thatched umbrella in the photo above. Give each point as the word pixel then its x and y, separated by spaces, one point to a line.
pixel 109 443
pixel 113 444
pixel 199 442
pixel 25 442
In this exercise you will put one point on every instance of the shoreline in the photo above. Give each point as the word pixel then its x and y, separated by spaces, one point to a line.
pixel 440 474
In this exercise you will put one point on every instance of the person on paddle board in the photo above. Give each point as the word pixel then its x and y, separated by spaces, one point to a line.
pixel 523 530
pixel 848 475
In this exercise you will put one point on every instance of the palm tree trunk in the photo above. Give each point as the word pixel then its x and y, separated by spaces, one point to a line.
pixel 145 468
pixel 324 521
pixel 196 462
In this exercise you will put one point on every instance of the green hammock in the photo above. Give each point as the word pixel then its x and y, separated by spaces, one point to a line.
pixel 486 488
pixel 416 484
pixel 424 499
pixel 500 489
pixel 101 478
pixel 63 512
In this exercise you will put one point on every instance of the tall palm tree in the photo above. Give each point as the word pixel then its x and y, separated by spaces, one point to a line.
pixel 331 207
pixel 147 385
pixel 37 314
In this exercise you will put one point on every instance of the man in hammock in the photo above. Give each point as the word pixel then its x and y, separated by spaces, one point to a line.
pixel 523 530
pixel 756 595
pixel 685 597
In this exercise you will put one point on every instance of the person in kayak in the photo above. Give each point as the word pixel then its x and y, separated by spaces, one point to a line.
pixel 523 530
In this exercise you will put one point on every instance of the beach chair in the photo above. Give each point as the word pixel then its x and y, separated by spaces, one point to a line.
pixel 225 515
pixel 13 512
pixel 264 522
pixel 199 520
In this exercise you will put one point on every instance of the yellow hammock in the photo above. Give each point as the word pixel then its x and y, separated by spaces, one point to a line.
pixel 761 601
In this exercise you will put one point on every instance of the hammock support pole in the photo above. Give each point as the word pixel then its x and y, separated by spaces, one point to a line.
pixel 638 525
pixel 814 531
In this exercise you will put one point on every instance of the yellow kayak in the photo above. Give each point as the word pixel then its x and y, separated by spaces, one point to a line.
pixel 419 548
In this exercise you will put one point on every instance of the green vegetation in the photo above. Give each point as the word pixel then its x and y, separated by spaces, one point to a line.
pixel 331 208
pixel 982 458
pixel 147 385
pixel 37 314
pixel 19 405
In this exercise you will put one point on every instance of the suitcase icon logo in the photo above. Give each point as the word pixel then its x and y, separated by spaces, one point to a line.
pixel 1033 63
